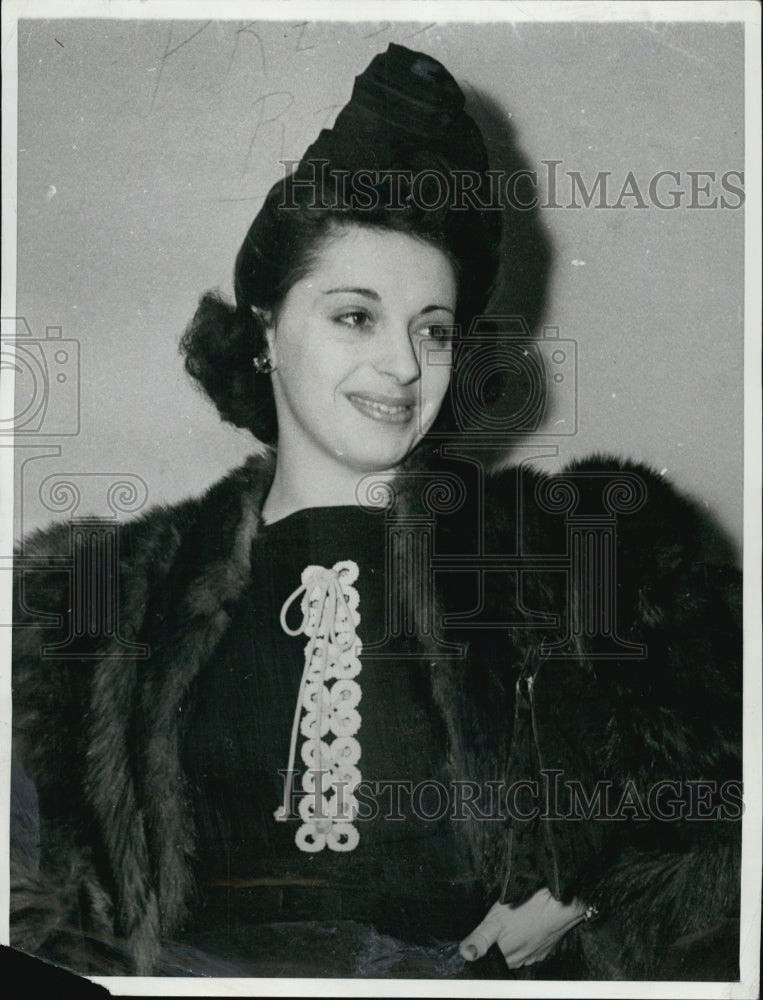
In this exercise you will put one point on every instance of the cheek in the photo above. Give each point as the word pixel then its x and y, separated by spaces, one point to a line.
pixel 436 376
pixel 312 375
pixel 301 362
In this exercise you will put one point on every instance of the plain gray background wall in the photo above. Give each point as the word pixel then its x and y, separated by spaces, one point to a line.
pixel 145 149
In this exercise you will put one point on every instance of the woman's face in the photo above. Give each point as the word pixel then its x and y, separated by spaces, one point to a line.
pixel 360 368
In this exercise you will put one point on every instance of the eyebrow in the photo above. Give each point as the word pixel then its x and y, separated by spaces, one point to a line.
pixel 369 293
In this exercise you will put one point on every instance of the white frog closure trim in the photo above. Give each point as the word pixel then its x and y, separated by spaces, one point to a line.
pixel 327 706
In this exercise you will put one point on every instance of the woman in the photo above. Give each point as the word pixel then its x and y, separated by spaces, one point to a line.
pixel 338 635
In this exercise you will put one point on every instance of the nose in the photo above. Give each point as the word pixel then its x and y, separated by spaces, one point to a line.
pixel 398 356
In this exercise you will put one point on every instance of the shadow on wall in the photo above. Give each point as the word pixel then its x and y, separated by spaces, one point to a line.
pixel 526 252
pixel 506 392
pixel 522 394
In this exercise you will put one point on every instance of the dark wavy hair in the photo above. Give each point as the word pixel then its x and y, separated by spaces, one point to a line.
pixel 300 213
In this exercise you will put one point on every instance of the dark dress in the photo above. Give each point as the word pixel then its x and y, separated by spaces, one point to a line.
pixel 409 876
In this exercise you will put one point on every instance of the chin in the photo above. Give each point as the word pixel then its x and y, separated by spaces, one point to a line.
pixel 375 446
pixel 379 458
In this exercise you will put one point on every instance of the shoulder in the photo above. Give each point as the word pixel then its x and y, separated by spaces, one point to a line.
pixel 160 529
pixel 623 534
pixel 143 553
pixel 656 523
pixel 60 570
pixel 616 482
pixel 655 623
pixel 46 559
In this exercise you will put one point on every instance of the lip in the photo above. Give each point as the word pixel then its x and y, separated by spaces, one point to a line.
pixel 382 408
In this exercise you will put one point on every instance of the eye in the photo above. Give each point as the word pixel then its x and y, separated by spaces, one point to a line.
pixel 356 319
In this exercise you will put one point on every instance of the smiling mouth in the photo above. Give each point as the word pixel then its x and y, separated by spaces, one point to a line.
pixel 385 410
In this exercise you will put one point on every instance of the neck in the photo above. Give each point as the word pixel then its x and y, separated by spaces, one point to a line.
pixel 301 484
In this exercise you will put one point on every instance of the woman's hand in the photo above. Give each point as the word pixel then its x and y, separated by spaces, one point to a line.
pixel 526 933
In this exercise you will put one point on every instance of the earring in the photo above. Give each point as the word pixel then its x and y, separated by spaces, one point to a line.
pixel 262 364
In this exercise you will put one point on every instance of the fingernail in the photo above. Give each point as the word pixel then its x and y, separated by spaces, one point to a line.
pixel 470 953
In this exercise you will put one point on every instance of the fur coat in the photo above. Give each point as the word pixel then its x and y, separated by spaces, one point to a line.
pixel 646 696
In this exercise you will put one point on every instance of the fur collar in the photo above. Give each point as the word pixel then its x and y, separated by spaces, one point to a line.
pixel 148 837
pixel 182 573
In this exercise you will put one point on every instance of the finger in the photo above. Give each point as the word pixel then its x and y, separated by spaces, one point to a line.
pixel 474 946
pixel 483 936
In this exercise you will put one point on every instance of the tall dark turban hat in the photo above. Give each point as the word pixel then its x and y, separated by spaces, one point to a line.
pixel 406 116
pixel 405 108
